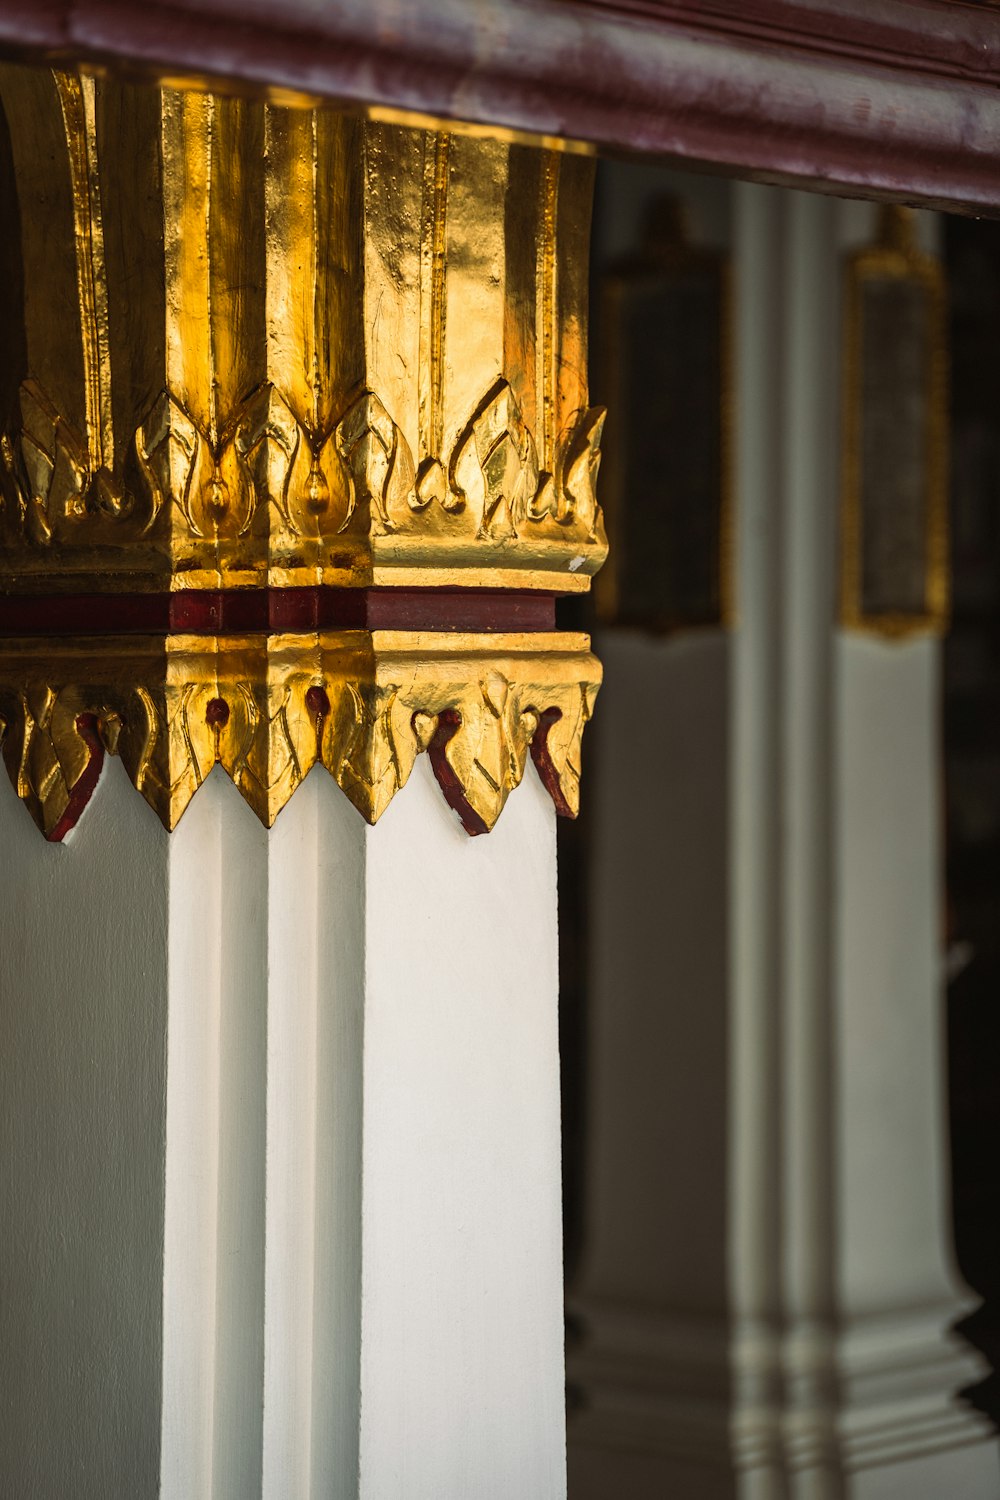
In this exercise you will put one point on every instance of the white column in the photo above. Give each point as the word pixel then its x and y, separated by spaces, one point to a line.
pixel 767 1288
pixel 281 1117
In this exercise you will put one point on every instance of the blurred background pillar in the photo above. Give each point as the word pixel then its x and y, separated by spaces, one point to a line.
pixel 764 1294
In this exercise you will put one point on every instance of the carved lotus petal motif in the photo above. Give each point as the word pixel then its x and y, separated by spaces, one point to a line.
pixel 268 439
pixel 167 448
pixel 545 501
pixel 357 478
pixel 494 466
pixel 581 460
pixel 367 748
pixel 55 464
pixel 378 460
pixel 480 751
pixel 211 488
pixel 107 497
pixel 432 484
pixel 278 746
pixel 52 752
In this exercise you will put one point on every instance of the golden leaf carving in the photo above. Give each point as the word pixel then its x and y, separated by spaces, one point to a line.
pixel 581 460
pixel 360 477
pixel 167 447
pixel 378 458
pixel 318 339
pixel 61 485
pixel 432 484
pixel 555 747
pixel 368 748
pixel 267 709
pixel 53 750
pixel 494 467
pixel 485 748
pixel 209 485
pixel 301 473
pixel 290 348
pixel 268 439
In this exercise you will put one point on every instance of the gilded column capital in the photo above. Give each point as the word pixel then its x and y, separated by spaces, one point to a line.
pixel 263 345
pixel 296 443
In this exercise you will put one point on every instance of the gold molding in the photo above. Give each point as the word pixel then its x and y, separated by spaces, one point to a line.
pixel 267 709
pixel 896 257
pixel 260 346
pixel 274 345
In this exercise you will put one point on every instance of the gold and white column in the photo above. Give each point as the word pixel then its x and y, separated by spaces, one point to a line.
pixel 297 457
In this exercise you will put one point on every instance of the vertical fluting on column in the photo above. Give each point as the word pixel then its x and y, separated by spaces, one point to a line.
pixel 754 790
pixel 213 1228
pixel 393 1315
pixel 317 861
pixel 804 770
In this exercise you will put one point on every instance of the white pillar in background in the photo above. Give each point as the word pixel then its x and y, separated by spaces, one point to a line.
pixel 280 1195
pixel 767 1288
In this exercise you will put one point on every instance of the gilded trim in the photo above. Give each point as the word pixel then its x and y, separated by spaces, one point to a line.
pixel 267 709
pixel 896 256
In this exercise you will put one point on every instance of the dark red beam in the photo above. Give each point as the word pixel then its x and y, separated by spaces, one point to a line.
pixel 877 97
pixel 252 611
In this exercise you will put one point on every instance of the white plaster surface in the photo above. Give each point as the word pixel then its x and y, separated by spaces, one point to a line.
pixel 461 1335
pixel 83 1019
pixel 888 956
pixel 280 1189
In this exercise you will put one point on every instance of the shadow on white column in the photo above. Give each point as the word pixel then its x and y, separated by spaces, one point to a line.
pixel 83 1032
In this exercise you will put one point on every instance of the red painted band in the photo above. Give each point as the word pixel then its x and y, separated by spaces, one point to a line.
pixel 295 610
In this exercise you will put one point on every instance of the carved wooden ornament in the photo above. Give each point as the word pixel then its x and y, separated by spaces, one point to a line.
pixel 265 355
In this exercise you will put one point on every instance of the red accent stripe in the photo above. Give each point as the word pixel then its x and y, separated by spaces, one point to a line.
pixel 548 775
pixel 447 778
pixel 84 786
pixel 239 611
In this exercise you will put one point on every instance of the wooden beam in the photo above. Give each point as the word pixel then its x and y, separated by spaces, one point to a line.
pixel 897 98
